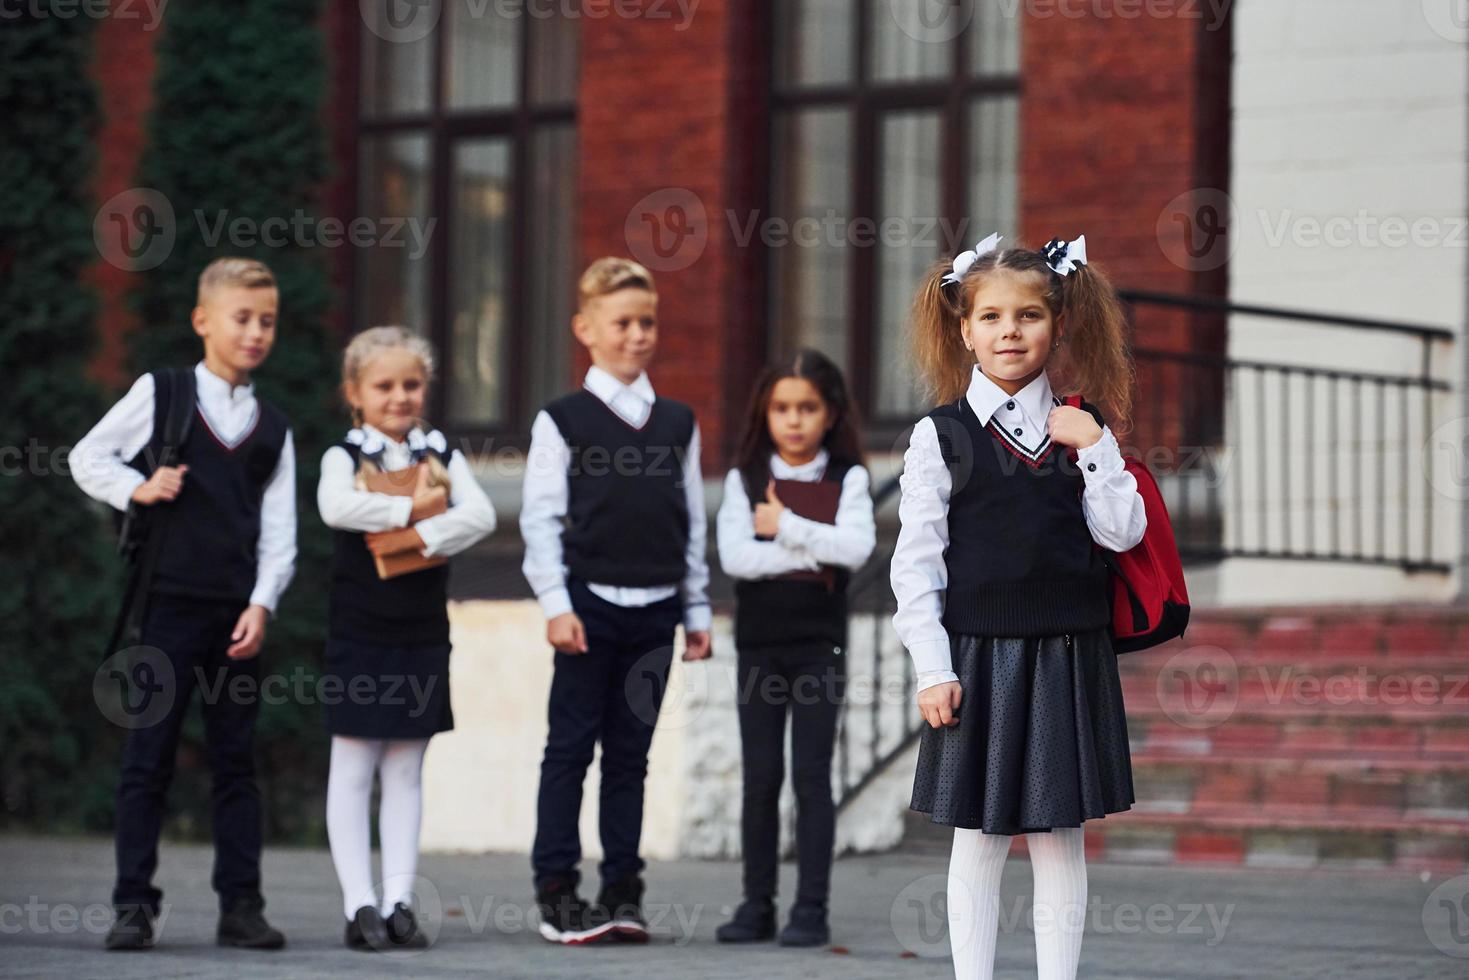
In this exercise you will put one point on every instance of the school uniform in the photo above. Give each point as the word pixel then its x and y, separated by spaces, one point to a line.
pixel 387 650
pixel 230 542
pixel 614 527
pixel 791 635
pixel 1000 587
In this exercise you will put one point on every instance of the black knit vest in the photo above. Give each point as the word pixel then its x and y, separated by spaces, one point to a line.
pixel 783 610
pixel 628 518
pixel 1020 560
pixel 212 533
pixel 405 610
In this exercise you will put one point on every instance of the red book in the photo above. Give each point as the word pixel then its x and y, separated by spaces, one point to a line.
pixel 816 501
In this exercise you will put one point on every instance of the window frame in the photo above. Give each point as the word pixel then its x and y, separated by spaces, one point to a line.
pixel 445 128
pixel 868 101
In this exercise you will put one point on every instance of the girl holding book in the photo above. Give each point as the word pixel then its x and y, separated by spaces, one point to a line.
pixel 399 502
pixel 795 521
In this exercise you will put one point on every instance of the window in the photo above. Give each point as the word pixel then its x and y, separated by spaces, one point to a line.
pixel 467 130
pixel 894 133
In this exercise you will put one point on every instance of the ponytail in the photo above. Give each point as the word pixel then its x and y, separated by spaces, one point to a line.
pixel 938 348
pixel 1097 363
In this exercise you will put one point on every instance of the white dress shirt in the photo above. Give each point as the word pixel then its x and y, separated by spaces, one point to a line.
pixel 1110 502
pixel 547 495
pixel 800 544
pixel 343 506
pixel 99 467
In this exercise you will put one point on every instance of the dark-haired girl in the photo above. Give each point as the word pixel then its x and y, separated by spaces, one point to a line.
pixel 791 574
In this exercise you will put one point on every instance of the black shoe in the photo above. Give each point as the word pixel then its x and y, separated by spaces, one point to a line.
pixel 807 927
pixel 621 902
pixel 403 928
pixel 566 919
pixel 753 922
pixel 366 931
pixel 242 925
pixel 132 929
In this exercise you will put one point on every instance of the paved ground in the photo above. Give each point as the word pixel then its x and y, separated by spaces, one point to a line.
pixel 1143 922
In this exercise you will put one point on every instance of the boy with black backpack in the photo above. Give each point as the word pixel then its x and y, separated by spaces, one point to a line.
pixel 208 470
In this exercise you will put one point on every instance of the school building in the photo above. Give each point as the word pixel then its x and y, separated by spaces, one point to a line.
pixel 1279 188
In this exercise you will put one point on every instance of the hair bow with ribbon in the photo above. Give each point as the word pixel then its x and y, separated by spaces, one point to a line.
pixel 1063 256
pixel 964 260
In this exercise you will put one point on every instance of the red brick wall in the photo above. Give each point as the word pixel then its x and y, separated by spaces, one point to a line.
pixel 679 115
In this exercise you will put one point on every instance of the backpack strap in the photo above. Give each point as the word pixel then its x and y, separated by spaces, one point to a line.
pixel 180 397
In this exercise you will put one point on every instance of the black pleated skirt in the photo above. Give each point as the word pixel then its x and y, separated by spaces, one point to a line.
pixel 386 691
pixel 1041 741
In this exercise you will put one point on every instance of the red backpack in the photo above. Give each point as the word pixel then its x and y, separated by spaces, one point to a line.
pixel 1149 596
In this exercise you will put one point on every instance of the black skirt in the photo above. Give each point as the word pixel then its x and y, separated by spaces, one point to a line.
pixel 387 691
pixel 1041 740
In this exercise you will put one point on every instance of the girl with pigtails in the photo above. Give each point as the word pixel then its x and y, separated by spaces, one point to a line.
pixel 1007 496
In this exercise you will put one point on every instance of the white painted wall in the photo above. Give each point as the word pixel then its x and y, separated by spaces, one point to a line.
pixel 1350 173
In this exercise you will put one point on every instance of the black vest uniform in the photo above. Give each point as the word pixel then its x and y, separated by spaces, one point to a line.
pixel 211 537
pixel 1028 565
pixel 783 609
pixel 406 610
pixel 627 516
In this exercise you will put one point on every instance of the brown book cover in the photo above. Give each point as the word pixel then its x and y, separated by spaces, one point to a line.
pixel 816 501
pixel 400 483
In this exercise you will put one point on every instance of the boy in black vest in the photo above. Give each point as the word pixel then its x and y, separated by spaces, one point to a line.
pixel 614 526
pixel 227 519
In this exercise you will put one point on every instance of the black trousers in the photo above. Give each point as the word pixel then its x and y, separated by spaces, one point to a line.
pixel 191 638
pixel 611 693
pixel 808 681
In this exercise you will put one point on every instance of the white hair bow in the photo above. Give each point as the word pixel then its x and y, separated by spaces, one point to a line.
pixel 964 260
pixel 1063 256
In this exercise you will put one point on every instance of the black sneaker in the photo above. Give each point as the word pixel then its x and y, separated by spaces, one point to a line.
pixel 243 926
pixel 366 931
pixel 132 929
pixel 753 922
pixel 566 919
pixel 622 903
pixel 403 928
pixel 807 927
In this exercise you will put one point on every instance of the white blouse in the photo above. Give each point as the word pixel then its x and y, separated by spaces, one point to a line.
pixel 470 516
pixel 1110 503
pixel 800 544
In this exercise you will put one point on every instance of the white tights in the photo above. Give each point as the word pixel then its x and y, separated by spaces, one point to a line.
pixel 1058 860
pixel 349 823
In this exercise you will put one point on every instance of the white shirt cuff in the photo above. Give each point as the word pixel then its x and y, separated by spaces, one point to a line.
pixel 262 597
pixel 1101 459
pixel 931 655
pixel 122 491
pixel 554 602
pixel 932 678
pixel 698 618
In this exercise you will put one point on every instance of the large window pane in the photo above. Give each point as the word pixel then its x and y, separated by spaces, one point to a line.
pixel 552 263
pixel 392 282
pixel 813 41
pixel 553 66
pixel 994 166
pixel 484 55
pixel 810 279
pixel 912 39
pixel 479 283
pixel 397 55
pixel 994 40
pixel 909 169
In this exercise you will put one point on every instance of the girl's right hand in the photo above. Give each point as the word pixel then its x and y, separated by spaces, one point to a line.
pixel 940 704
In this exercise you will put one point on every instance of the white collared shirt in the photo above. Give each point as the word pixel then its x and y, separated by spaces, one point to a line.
pixel 99 467
pixel 1110 503
pixel 800 544
pixel 343 506
pixel 547 495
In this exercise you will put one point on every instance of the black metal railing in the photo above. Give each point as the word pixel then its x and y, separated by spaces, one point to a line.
pixel 1226 453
